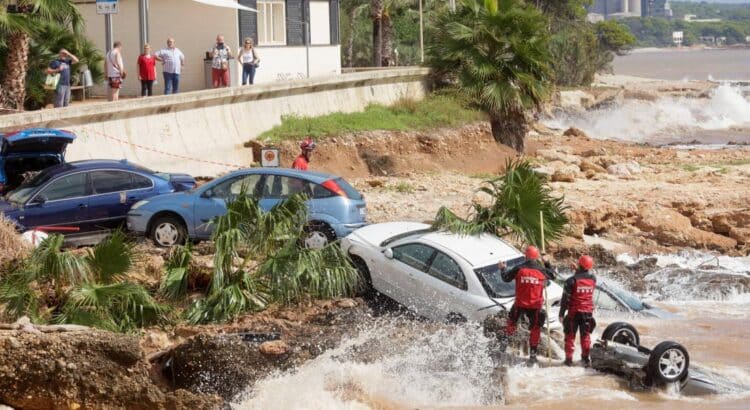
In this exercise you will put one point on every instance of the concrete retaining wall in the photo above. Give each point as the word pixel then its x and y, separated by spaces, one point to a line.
pixel 203 132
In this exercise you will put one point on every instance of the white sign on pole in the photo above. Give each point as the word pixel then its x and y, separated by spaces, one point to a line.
pixel 269 157
pixel 107 6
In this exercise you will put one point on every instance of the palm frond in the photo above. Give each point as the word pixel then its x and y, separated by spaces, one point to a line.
pixel 111 258
pixel 51 263
pixel 175 283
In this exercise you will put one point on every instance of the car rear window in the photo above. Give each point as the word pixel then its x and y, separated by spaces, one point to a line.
pixel 351 193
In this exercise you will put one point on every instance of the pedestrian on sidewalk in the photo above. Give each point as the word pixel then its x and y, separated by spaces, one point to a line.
pixel 172 63
pixel 578 301
pixel 531 277
pixel 147 71
pixel 62 65
pixel 221 54
pixel 248 60
pixel 115 69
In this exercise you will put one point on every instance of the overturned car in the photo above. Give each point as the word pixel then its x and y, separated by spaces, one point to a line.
pixel 666 366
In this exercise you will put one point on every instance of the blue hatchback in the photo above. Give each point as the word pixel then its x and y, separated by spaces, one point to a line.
pixel 335 207
pixel 86 196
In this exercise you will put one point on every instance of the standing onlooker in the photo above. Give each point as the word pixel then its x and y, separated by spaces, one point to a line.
pixel 62 65
pixel 173 60
pixel 220 65
pixel 248 59
pixel 147 71
pixel 115 71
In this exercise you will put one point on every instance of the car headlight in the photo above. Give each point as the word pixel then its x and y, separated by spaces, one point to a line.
pixel 138 204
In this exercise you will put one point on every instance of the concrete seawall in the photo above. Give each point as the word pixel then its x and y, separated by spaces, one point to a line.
pixel 203 132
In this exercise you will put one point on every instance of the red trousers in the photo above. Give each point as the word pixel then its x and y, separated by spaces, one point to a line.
pixel 579 322
pixel 220 77
pixel 536 318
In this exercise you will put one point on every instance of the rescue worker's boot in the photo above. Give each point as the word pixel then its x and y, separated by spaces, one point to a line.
pixel 586 361
pixel 532 356
pixel 568 362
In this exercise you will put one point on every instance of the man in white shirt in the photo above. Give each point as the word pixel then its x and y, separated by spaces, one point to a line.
pixel 173 60
pixel 115 71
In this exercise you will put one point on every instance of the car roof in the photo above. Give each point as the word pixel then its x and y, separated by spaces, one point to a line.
pixel 478 250
pixel 93 164
pixel 317 177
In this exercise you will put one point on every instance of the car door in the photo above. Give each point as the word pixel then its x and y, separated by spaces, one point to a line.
pixel 398 274
pixel 442 288
pixel 276 188
pixel 112 196
pixel 213 202
pixel 62 202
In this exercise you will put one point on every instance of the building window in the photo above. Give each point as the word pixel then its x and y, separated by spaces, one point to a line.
pixel 271 22
pixel 320 22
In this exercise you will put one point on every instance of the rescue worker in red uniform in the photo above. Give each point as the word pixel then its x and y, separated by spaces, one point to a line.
pixel 531 278
pixel 302 162
pixel 578 302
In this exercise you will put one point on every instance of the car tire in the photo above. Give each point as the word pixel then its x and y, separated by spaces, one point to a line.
pixel 365 283
pixel 168 231
pixel 668 363
pixel 623 333
pixel 454 318
pixel 318 235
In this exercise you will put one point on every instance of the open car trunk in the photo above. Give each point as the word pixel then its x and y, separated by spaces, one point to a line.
pixel 21 168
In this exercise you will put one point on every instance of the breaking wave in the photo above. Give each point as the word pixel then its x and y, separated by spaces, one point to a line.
pixel 666 119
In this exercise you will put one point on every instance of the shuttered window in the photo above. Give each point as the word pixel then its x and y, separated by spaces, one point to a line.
pixel 271 23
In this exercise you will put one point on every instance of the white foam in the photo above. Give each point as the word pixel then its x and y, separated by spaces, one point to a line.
pixel 639 121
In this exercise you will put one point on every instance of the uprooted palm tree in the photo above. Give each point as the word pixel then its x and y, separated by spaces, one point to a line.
pixel 498 52
pixel 59 286
pixel 259 261
pixel 17 25
pixel 518 198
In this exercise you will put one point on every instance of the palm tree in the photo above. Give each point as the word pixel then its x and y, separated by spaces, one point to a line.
pixel 352 9
pixel 376 14
pixel 519 197
pixel 259 261
pixel 91 290
pixel 498 52
pixel 18 27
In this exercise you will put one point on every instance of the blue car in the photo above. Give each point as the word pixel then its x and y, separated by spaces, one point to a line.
pixel 86 197
pixel 335 207
pixel 26 152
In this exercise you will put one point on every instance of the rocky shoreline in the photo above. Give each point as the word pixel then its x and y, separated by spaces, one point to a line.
pixel 622 198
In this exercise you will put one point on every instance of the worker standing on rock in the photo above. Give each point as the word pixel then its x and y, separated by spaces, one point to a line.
pixel 302 162
pixel 578 301
pixel 531 278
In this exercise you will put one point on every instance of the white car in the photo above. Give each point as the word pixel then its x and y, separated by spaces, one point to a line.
pixel 439 275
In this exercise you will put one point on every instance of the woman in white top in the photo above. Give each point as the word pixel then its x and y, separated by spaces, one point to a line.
pixel 115 71
pixel 248 59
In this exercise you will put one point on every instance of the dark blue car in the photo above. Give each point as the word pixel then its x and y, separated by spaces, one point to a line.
pixel 89 196
pixel 26 152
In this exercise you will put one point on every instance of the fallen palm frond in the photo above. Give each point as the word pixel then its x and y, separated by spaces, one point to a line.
pixel 519 196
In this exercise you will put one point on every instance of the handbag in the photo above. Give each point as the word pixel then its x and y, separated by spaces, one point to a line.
pixel 50 83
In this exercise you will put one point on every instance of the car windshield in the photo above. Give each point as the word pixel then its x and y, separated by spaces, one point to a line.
pixel 22 194
pixel 492 280
pixel 630 299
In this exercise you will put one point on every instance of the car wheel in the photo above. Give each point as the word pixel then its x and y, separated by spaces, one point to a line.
pixel 668 362
pixel 623 333
pixel 318 235
pixel 364 272
pixel 455 318
pixel 168 231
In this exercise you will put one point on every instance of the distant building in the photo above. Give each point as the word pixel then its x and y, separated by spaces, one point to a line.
pixel 692 18
pixel 613 9
pixel 677 37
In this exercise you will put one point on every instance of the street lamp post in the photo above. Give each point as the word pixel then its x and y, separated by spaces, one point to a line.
pixel 421 33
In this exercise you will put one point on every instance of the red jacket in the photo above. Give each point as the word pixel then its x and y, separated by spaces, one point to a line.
pixel 147 67
pixel 531 277
pixel 578 293
pixel 300 163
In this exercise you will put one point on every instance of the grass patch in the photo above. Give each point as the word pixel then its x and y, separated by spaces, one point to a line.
pixel 486 176
pixel 402 188
pixel 690 167
pixel 737 162
pixel 443 109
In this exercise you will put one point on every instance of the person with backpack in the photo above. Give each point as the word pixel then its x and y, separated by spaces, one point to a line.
pixel 531 277
pixel 248 59
pixel 578 302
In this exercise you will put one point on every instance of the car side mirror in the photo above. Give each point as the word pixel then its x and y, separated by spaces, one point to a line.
pixel 38 200
pixel 209 193
pixel 388 252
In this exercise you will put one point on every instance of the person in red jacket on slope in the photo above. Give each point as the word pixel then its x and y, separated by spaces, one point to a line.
pixel 578 301
pixel 531 278
pixel 302 162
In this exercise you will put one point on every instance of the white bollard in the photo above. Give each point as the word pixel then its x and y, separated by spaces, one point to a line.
pixel 34 237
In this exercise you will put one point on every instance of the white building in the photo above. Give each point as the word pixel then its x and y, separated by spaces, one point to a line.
pixel 677 38
pixel 278 29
